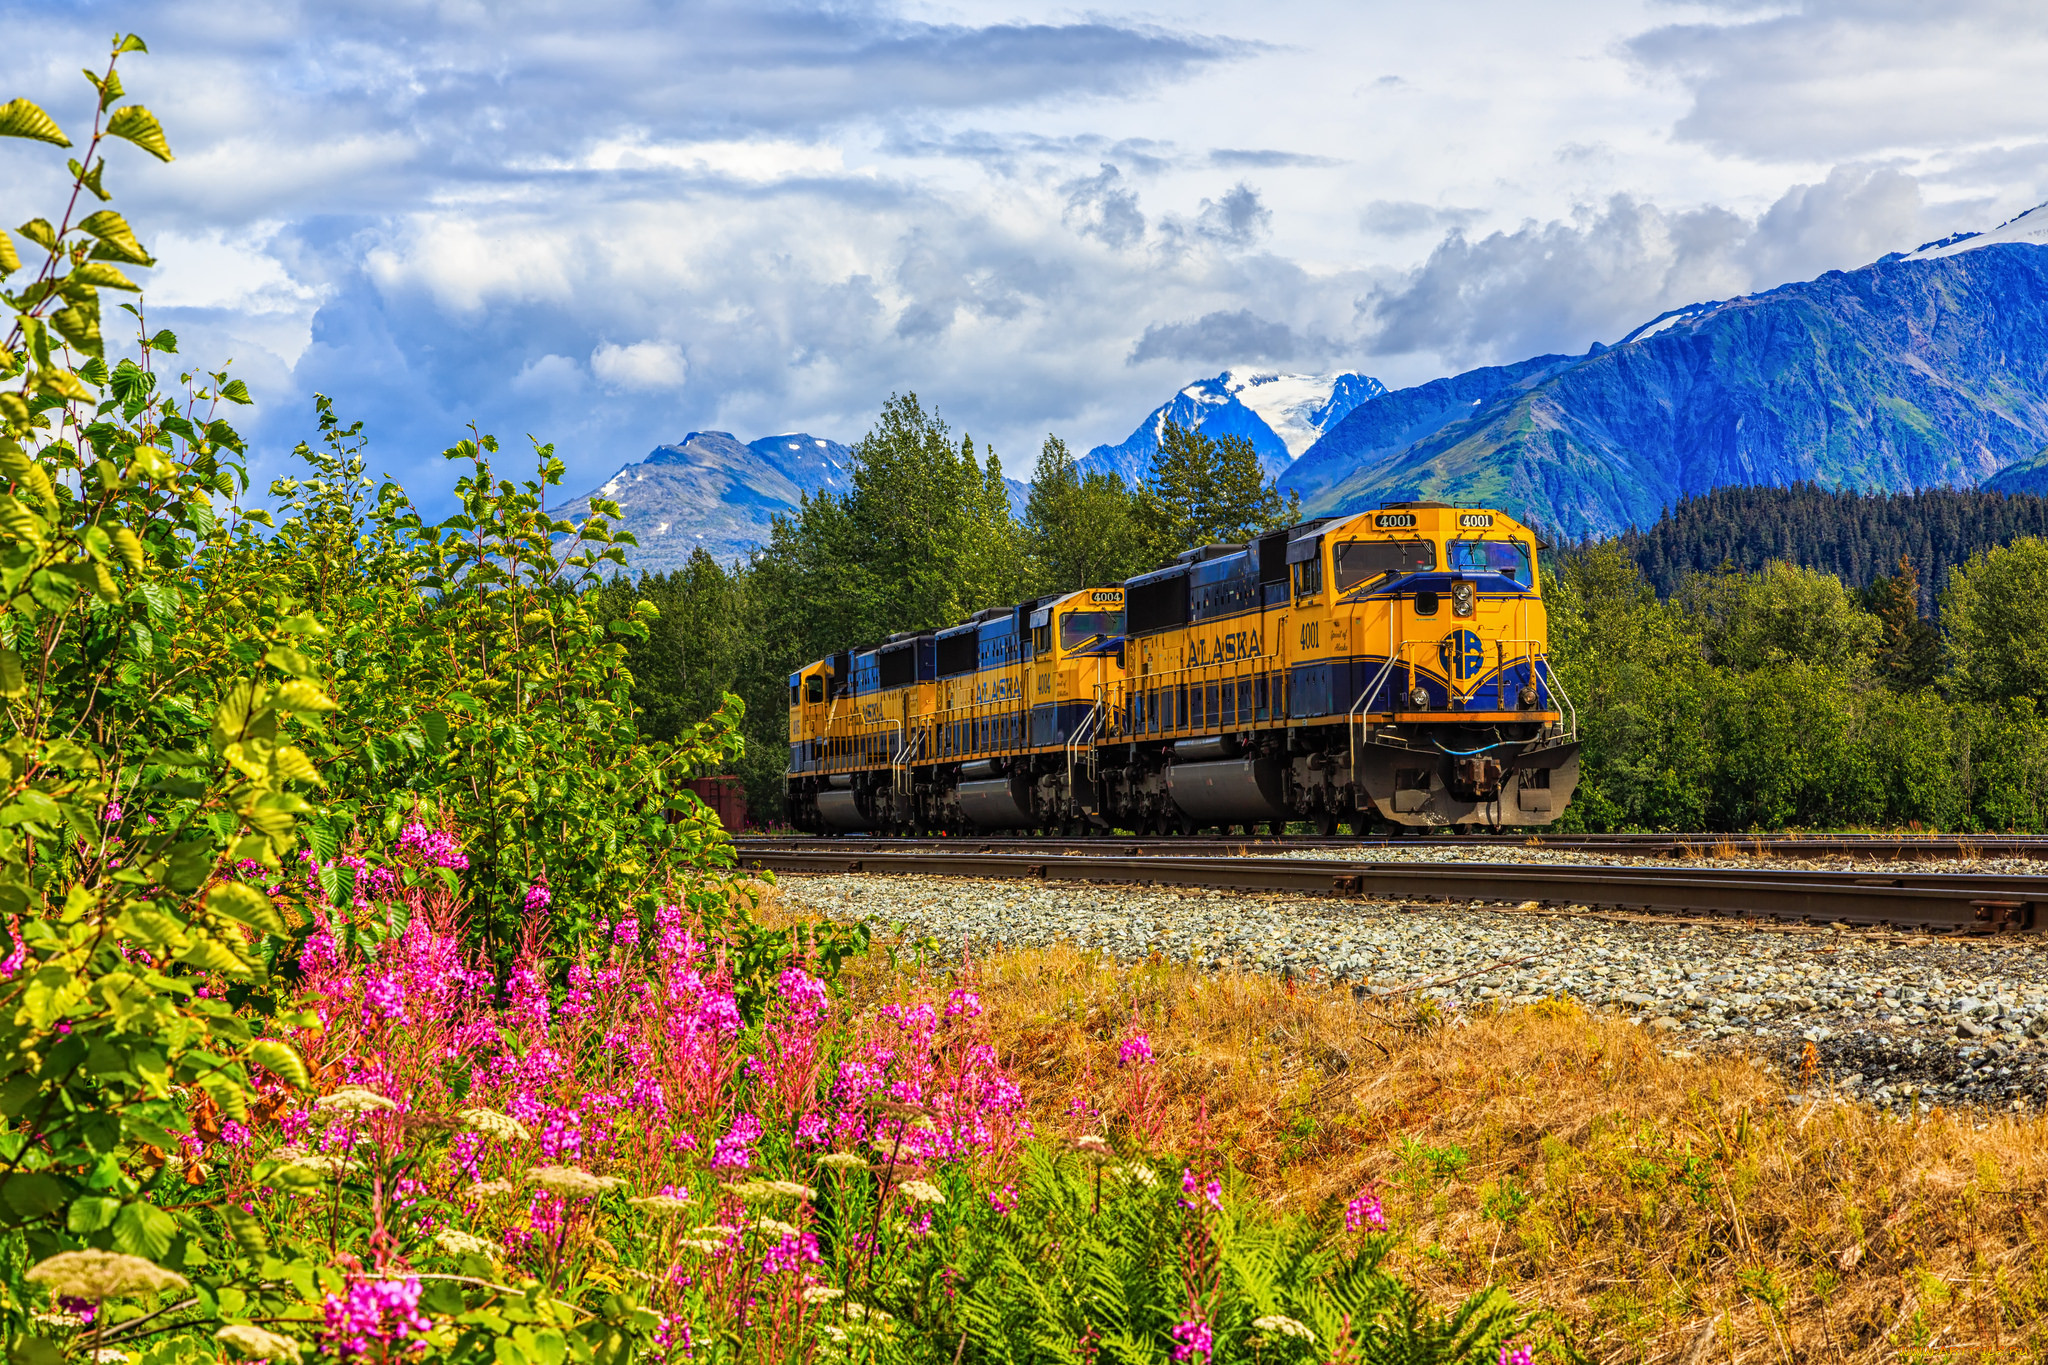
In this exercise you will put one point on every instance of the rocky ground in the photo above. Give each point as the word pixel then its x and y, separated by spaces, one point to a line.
pixel 1728 856
pixel 1900 1020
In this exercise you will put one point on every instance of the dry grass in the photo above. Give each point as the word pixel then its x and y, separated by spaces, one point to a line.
pixel 1664 1208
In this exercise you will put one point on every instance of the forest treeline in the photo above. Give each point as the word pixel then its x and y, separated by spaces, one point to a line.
pixel 1857 537
pixel 1749 663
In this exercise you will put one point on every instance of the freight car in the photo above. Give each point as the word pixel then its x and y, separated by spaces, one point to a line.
pixel 1388 669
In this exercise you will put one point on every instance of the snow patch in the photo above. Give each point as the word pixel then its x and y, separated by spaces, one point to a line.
pixel 2029 228
pixel 1664 322
pixel 1286 403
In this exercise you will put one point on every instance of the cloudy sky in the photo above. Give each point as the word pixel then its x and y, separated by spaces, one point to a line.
pixel 608 223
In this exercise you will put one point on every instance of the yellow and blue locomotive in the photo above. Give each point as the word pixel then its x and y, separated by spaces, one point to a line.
pixel 1388 669
pixel 986 725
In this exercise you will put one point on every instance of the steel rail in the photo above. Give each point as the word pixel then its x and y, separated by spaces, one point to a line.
pixel 1980 903
pixel 1887 847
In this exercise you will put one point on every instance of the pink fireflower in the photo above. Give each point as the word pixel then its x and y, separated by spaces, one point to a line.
pixel 375 1314
pixel 1193 1339
pixel 437 848
pixel 1518 1355
pixel 794 1252
pixel 1198 1193
pixel 1365 1211
pixel 735 1151
pixel 1136 1050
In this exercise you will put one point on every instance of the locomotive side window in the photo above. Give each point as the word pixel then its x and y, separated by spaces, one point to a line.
pixel 1508 558
pixel 1361 561
pixel 1078 628
pixel 814 689
pixel 1308 577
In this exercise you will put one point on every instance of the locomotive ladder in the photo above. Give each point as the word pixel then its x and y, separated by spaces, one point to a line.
pixel 911 747
pixel 1080 746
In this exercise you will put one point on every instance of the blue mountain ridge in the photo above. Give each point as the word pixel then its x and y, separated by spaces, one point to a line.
pixel 1907 373
pixel 711 491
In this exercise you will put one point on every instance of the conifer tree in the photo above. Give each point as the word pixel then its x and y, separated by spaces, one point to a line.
pixel 1083 530
pixel 1909 647
pixel 923 539
pixel 1207 491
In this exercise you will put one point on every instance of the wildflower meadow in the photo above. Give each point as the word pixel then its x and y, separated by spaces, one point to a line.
pixel 372 990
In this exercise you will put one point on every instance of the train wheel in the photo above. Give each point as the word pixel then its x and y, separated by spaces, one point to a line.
pixel 1326 823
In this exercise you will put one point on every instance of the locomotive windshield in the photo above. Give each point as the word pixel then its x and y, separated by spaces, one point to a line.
pixel 1077 628
pixel 1508 558
pixel 1361 561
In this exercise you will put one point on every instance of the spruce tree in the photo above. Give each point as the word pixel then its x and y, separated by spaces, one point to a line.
pixel 1206 491
pixel 1909 647
pixel 1083 530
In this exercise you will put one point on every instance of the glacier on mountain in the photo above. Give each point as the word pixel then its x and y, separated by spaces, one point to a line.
pixel 1282 415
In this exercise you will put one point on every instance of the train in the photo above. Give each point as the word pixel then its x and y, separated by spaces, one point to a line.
pixel 1385 671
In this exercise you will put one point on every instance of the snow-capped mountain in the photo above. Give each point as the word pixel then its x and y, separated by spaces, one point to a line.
pixel 2030 227
pixel 710 491
pixel 1282 415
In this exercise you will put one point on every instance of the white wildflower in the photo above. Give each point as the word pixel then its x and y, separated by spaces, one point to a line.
pixel 353 1099
pixel 258 1344
pixel 661 1203
pixel 822 1293
pixel 1095 1149
pixel 456 1242
pixel 859 1311
pixel 790 1189
pixel 98 1275
pixel 570 1181
pixel 491 1123
pixel 713 1230
pixel 843 1161
pixel 1137 1173
pixel 1285 1326
pixel 921 1192
pixel 701 1244
pixel 483 1188
pixel 775 1227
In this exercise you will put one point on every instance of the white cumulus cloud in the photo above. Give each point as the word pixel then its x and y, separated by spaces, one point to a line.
pixel 643 365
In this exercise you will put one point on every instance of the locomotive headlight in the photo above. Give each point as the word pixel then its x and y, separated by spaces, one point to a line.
pixel 1464 599
pixel 1418 697
pixel 1527 696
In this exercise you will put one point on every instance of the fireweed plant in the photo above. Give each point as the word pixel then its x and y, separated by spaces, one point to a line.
pixel 370 991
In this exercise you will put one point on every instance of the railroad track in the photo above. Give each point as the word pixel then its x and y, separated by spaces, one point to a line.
pixel 1874 846
pixel 1956 902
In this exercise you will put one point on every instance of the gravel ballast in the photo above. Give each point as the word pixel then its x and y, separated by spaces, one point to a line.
pixel 1901 1020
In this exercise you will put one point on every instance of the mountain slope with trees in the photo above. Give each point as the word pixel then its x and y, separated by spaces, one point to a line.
pixel 1858 537
pixel 1901 375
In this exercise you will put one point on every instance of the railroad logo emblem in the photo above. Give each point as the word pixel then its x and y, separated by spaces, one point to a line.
pixel 1463 654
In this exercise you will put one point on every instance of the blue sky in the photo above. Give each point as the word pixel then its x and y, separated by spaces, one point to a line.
pixel 609 223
